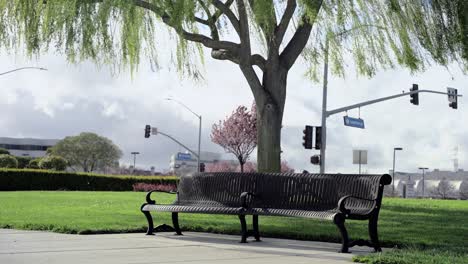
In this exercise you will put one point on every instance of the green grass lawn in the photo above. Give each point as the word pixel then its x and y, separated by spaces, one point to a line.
pixel 433 228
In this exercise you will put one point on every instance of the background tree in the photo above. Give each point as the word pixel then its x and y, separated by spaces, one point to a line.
pixel 34 164
pixel 237 134
pixel 4 151
pixel 444 189
pixel 23 162
pixel 52 162
pixel 87 151
pixel 264 38
pixel 8 161
pixel 220 166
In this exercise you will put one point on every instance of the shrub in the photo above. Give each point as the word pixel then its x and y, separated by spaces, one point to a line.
pixel 34 164
pixel 146 187
pixel 28 179
pixel 4 151
pixel 53 163
pixel 23 162
pixel 8 161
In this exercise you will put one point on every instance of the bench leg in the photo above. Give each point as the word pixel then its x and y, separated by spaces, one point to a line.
pixel 340 223
pixel 150 223
pixel 175 223
pixel 374 237
pixel 244 228
pixel 256 232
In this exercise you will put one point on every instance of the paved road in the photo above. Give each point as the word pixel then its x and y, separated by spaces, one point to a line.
pixel 43 247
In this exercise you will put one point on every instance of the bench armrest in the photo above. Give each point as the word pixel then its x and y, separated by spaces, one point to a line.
pixel 148 196
pixel 341 203
pixel 244 196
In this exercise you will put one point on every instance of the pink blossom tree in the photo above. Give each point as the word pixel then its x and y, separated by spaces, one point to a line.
pixel 221 166
pixel 237 134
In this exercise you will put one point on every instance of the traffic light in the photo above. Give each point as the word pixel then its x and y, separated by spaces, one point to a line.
pixel 202 167
pixel 453 97
pixel 147 131
pixel 414 97
pixel 307 143
pixel 315 159
pixel 318 137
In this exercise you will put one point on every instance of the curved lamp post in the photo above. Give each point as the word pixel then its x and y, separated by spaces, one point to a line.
pixel 199 128
pixel 24 68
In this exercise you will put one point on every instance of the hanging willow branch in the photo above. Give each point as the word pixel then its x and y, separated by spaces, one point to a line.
pixel 380 33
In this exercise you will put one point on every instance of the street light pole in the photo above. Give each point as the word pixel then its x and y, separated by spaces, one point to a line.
pixel 323 140
pixel 199 128
pixel 423 170
pixel 134 158
pixel 23 68
pixel 393 171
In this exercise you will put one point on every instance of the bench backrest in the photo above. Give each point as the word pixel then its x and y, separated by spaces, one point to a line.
pixel 279 190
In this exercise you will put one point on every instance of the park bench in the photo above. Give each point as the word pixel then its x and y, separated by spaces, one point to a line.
pixel 334 197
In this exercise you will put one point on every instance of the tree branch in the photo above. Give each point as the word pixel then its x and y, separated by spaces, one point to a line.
pixel 259 61
pixel 225 55
pixel 285 20
pixel 224 9
pixel 298 42
pixel 294 48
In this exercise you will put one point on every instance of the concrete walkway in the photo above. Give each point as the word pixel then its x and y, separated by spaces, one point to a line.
pixel 43 247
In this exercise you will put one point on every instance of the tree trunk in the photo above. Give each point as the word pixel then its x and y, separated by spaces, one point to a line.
pixel 269 120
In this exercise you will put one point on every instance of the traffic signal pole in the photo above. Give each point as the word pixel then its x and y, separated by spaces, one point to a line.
pixel 326 114
pixel 346 108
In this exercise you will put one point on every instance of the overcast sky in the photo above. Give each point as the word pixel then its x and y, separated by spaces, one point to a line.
pixel 69 99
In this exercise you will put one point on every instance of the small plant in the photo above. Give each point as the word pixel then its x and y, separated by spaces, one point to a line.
pixel 8 161
pixel 146 187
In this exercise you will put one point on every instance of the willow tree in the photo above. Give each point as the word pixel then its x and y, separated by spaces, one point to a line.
pixel 265 38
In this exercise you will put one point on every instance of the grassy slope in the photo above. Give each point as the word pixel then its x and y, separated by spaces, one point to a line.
pixel 422 223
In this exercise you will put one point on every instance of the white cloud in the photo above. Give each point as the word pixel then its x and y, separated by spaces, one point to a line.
pixel 70 99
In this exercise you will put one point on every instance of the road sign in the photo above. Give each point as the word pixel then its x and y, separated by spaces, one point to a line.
pixel 184 156
pixel 359 156
pixel 353 122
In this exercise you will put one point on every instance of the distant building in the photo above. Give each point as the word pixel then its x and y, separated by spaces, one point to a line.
pixel 27 147
pixel 184 163
pixel 437 184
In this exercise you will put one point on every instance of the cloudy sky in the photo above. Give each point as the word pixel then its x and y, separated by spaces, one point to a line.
pixel 69 99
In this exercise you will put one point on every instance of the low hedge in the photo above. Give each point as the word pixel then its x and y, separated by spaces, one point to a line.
pixel 29 179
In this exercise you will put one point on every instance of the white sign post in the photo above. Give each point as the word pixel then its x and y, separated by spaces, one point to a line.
pixel 359 157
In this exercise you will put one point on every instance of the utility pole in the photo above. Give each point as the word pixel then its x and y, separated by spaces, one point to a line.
pixel 393 171
pixel 423 170
pixel 134 158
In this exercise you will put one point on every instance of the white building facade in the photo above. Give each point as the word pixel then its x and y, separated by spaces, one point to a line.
pixel 184 163
pixel 436 184
pixel 27 147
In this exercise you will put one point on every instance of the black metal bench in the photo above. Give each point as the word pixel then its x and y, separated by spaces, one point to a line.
pixel 334 197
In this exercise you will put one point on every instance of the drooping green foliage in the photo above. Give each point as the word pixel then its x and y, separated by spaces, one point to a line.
pixel 376 33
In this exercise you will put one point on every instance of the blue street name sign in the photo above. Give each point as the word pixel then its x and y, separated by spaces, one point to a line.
pixel 184 156
pixel 353 122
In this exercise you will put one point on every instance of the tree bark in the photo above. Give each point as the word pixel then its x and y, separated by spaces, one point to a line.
pixel 270 108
